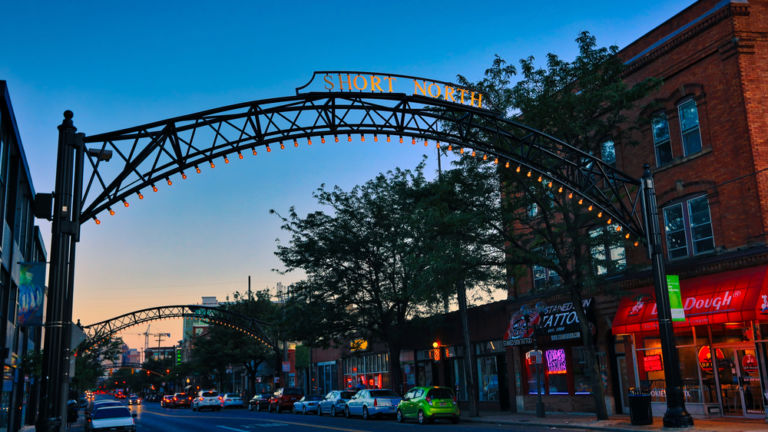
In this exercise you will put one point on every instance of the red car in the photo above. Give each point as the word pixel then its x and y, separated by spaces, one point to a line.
pixel 283 399
pixel 166 401
pixel 181 400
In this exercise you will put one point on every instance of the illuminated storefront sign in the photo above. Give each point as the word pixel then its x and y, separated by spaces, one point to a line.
pixel 652 363
pixel 556 363
pixel 555 323
pixel 705 359
pixel 374 82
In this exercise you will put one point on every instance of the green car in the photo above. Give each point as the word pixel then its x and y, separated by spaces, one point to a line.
pixel 428 403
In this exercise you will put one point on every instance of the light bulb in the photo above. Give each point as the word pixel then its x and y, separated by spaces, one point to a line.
pixel 255 152
pixel 125 203
pixel 197 169
pixel 322 140
pixel 168 179
pixel 349 138
pixel 375 138
pixel 426 143
pixel 413 140
pixel 309 141
pixel 183 176
pixel 226 159
pixel 282 146
pixel 362 137
pixel 111 212
pixel 295 143
pixel 213 165
pixel 154 188
pixel 140 195
pixel 336 137
pixel 240 155
pixel 388 138
pixel 269 149
pixel 95 219
pixel 506 165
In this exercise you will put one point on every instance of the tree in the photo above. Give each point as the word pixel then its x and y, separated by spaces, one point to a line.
pixel 584 103
pixel 88 363
pixel 220 347
pixel 364 257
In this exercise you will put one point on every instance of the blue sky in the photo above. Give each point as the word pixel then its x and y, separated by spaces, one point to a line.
pixel 120 64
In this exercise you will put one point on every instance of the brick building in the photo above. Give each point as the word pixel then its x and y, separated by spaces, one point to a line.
pixel 707 142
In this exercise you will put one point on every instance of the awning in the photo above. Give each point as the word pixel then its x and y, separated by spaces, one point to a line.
pixel 732 296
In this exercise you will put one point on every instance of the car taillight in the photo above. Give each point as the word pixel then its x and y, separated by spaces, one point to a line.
pixel 201 399
pixel 221 398
pixel 375 402
pixel 429 400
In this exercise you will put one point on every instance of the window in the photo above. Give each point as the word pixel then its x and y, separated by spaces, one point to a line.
pixel 688 227
pixel 543 277
pixel 608 254
pixel 689 127
pixel 608 153
pixel 663 149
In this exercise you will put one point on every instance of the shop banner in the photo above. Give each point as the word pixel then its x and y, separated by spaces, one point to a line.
pixel 31 294
pixel 675 299
pixel 552 323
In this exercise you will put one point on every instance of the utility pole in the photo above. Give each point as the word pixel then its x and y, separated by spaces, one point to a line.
pixel 676 415
pixel 250 295
pixel 65 233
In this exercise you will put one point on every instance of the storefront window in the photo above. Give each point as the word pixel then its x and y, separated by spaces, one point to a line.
pixel 689 374
pixel 581 373
pixel 556 370
pixel 459 383
pixel 488 378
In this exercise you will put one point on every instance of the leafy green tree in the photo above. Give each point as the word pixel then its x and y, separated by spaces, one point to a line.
pixel 88 363
pixel 219 347
pixel 363 256
pixel 584 103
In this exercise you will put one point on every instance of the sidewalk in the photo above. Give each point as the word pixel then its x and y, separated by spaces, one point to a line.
pixel 615 423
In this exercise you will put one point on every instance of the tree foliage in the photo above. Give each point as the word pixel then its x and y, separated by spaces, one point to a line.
pixel 585 103
pixel 219 346
pixel 370 260
pixel 88 363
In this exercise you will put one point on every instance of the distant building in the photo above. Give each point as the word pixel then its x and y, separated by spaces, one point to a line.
pixel 160 353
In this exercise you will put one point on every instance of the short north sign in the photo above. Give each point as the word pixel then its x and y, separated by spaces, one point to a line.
pixel 375 82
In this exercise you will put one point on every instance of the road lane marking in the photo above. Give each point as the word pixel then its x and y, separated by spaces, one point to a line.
pixel 316 426
pixel 232 429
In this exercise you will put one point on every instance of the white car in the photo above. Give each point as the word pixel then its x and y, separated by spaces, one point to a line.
pixel 112 419
pixel 231 400
pixel 206 399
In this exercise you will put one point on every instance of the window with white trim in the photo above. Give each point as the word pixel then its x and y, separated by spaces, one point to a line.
pixel 661 143
pixel 689 127
pixel 688 228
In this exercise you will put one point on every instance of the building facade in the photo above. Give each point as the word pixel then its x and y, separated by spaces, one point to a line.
pixel 706 143
pixel 706 140
pixel 20 242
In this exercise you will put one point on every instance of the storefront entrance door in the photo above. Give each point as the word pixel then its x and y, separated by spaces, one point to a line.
pixel 740 383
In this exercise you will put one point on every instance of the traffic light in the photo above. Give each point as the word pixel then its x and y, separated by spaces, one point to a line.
pixel 178 356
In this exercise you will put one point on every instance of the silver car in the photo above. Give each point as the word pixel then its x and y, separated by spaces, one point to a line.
pixel 334 402
pixel 369 403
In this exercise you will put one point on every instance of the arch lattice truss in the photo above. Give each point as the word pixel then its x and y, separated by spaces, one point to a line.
pixel 148 156
pixel 102 331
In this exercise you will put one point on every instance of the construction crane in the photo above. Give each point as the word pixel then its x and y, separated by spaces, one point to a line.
pixel 158 336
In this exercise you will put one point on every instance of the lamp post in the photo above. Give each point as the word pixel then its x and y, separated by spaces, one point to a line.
pixel 527 314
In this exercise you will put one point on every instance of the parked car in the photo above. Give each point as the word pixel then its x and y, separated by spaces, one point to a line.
pixel 307 404
pixel 259 401
pixel 134 400
pixel 181 400
pixel 283 399
pixel 111 419
pixel 368 403
pixel 166 401
pixel 206 399
pixel 334 402
pixel 101 404
pixel 231 400
pixel 428 403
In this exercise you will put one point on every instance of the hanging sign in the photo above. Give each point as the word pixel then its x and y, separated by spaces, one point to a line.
pixel 652 363
pixel 557 322
pixel 31 294
pixel 749 363
pixel 377 82
pixel 675 300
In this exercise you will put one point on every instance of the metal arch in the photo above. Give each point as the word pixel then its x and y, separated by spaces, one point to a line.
pixel 103 330
pixel 149 154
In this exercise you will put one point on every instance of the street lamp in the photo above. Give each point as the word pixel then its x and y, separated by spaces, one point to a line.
pixel 532 318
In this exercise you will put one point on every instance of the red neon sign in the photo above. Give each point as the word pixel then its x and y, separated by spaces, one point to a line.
pixel 652 363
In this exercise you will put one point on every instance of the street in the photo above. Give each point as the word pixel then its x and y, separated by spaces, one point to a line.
pixel 151 417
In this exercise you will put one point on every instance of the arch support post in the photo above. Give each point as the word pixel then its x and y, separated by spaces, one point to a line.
pixel 676 415
pixel 65 232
